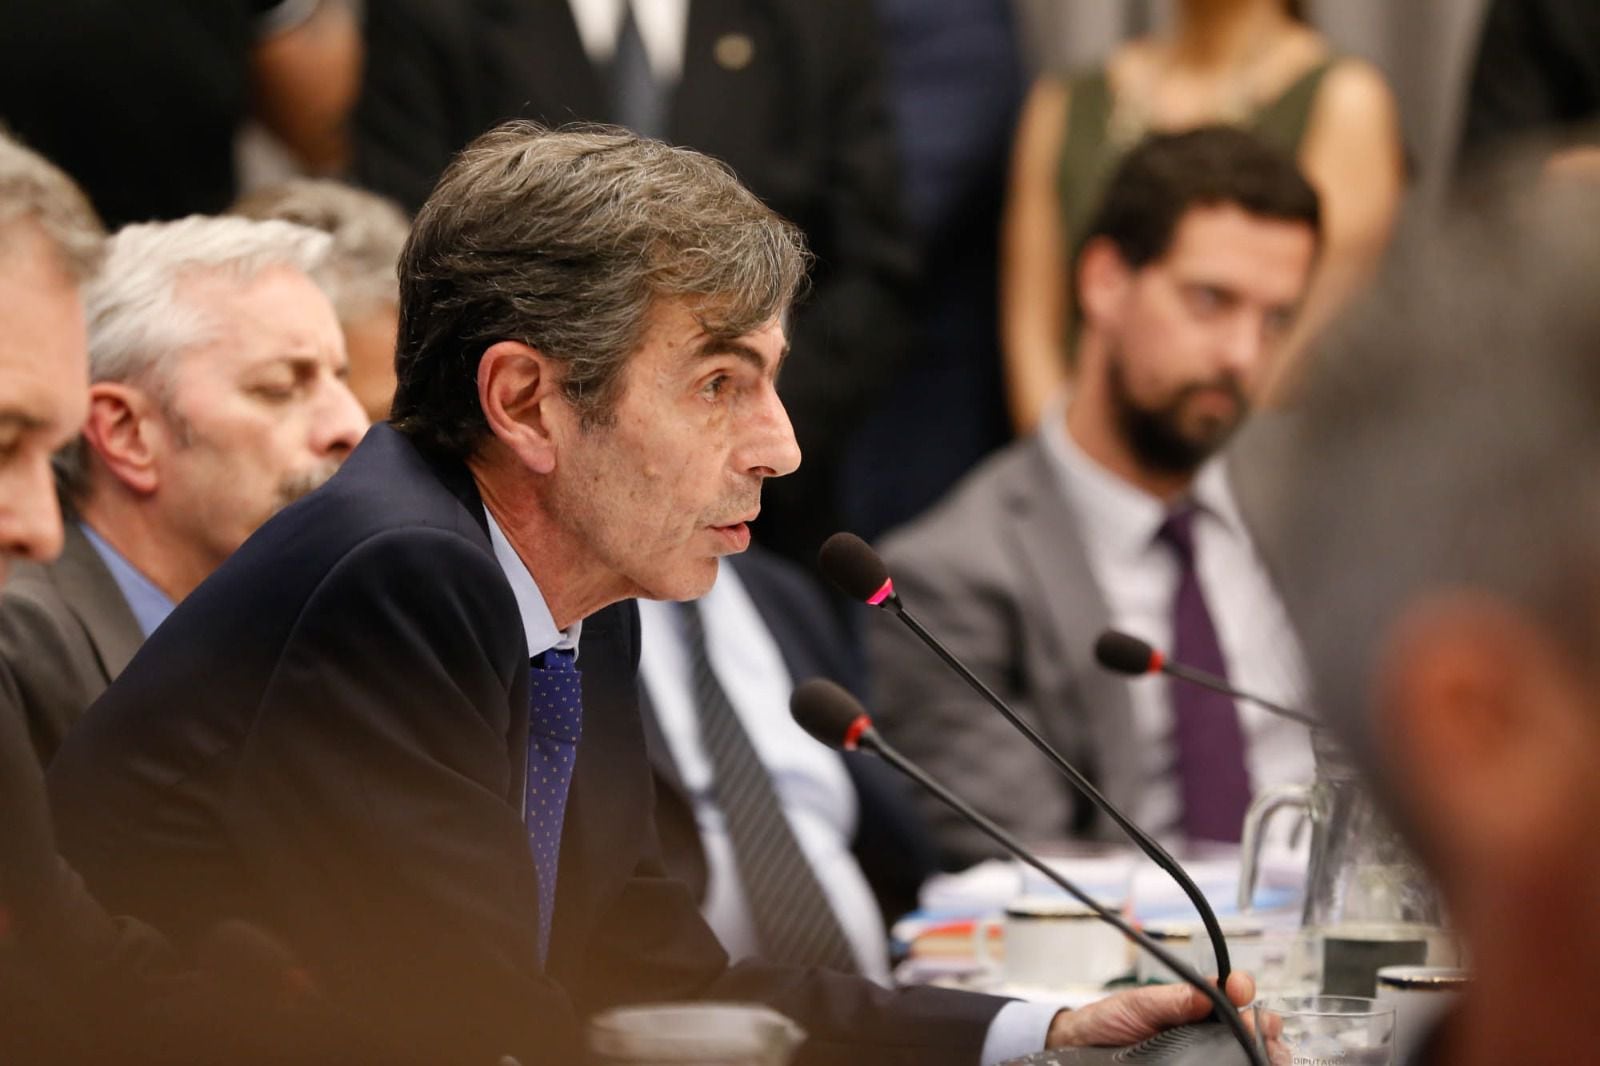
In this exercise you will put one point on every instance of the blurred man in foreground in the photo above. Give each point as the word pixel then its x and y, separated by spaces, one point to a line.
pixel 1437 530
pixel 76 985
pixel 217 398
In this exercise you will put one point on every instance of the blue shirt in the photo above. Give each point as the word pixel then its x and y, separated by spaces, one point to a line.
pixel 150 606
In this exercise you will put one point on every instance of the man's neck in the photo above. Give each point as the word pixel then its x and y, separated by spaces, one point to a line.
pixel 573 585
pixel 133 527
pixel 1093 429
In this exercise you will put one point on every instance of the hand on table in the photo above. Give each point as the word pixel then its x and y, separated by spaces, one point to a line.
pixel 1140 1013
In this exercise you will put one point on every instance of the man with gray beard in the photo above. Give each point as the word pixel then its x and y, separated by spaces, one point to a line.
pixel 217 397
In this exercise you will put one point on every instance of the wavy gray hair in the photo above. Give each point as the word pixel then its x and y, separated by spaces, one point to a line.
pixel 369 231
pixel 564 240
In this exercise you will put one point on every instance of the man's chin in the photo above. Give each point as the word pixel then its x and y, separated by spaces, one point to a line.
pixel 689 582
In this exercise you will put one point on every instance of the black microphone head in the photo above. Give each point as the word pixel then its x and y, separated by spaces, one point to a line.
pixel 829 713
pixel 1126 654
pixel 850 563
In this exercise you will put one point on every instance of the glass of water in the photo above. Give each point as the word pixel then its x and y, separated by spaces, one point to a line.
pixel 1325 1031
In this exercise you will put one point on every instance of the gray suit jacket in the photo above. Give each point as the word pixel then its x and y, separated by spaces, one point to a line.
pixel 65 633
pixel 998 572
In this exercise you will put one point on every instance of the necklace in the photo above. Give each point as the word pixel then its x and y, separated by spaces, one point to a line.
pixel 1133 110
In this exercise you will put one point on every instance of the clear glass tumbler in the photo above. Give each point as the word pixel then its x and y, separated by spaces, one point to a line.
pixel 1325 1031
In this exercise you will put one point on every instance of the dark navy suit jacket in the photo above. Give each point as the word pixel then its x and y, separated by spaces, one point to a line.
pixel 328 738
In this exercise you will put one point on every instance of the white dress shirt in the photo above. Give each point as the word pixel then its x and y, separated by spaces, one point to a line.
pixel 810 780
pixel 1018 1029
pixel 663 27
pixel 1138 577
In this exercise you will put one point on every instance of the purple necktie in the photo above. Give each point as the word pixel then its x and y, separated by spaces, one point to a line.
pixel 1214 783
pixel 555 724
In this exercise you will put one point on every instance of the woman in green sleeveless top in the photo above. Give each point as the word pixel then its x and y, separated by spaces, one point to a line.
pixel 1251 63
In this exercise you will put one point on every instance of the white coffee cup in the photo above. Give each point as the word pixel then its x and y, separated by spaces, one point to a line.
pixel 1051 942
pixel 1186 938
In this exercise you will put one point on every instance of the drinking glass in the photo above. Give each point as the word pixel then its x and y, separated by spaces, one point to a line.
pixel 1325 1031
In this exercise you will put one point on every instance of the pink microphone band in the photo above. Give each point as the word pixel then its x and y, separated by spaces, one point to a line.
pixel 882 594
pixel 852 736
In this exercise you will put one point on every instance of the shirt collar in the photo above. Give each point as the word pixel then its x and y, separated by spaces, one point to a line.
pixel 150 606
pixel 538 624
pixel 1115 513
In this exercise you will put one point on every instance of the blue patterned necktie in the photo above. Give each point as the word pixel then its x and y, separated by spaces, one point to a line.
pixel 555 724
pixel 1212 775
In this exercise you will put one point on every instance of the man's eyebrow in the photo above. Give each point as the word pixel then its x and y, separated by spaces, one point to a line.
pixel 21 420
pixel 745 353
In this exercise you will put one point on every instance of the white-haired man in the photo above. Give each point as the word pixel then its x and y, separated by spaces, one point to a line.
pixel 217 396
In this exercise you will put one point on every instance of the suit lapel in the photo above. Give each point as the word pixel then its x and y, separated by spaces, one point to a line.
pixel 1066 594
pixel 91 593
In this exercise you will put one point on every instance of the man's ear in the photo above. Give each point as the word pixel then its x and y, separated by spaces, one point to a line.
pixel 1103 279
pixel 122 428
pixel 520 389
pixel 1478 720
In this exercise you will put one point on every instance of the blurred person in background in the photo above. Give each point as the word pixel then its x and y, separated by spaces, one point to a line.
pixel 1537 75
pixel 1121 512
pixel 360 273
pixel 55 944
pixel 141 103
pixel 1441 565
pixel 789 93
pixel 955 83
pixel 216 398
pixel 1252 63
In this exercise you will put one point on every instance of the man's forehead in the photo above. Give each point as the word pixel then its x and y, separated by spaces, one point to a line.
pixel 1224 242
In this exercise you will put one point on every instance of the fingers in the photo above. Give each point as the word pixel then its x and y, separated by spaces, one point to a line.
pixel 1241 988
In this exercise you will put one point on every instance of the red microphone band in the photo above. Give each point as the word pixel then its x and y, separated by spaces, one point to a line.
pixel 1157 661
pixel 884 592
pixel 852 735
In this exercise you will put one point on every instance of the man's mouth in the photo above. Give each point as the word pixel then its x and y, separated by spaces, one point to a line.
pixel 736 534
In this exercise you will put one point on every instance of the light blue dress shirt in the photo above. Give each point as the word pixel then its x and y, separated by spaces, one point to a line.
pixel 150 606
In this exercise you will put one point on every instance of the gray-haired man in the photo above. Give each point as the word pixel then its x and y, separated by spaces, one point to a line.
pixel 368 732
pixel 216 398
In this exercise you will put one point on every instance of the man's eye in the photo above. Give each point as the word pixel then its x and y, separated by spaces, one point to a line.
pixel 714 388
pixel 274 392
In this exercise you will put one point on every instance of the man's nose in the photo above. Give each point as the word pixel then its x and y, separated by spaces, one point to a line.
pixel 1244 347
pixel 339 422
pixel 30 520
pixel 772 450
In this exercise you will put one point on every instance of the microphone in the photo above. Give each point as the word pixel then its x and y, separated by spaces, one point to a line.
pixel 1123 653
pixel 831 715
pixel 849 562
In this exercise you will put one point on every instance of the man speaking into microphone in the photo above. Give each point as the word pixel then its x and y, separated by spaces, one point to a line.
pixel 399 727
pixel 1121 512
